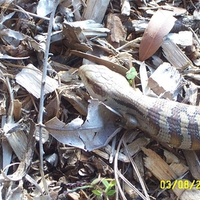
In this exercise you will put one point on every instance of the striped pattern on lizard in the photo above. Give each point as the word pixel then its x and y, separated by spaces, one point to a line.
pixel 170 122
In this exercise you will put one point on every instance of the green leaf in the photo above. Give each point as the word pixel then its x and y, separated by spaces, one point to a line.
pixel 131 73
pixel 105 182
pixel 96 192
pixel 110 192
pixel 112 183
pixel 95 181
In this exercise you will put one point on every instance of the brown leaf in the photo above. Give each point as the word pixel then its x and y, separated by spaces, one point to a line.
pixel 160 25
pixel 117 31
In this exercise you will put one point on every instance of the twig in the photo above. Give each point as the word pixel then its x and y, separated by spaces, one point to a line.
pixel 10 118
pixel 118 186
pixel 141 181
pixel 41 109
pixel 25 12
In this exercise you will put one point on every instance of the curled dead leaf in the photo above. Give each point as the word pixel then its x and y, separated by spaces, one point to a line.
pixel 97 130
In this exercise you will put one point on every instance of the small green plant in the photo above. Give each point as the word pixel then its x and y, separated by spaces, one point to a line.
pixel 103 187
pixel 131 74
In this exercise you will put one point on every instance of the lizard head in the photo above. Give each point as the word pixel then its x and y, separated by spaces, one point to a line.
pixel 93 78
pixel 101 81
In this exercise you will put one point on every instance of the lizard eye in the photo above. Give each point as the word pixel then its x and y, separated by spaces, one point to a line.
pixel 88 80
pixel 98 90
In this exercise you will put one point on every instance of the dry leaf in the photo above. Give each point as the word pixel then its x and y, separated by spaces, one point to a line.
pixel 17 109
pixel 117 30
pixel 95 132
pixel 95 10
pixel 165 81
pixel 175 55
pixel 158 166
pixel 30 78
pixel 159 26
pixel 75 38
pixel 111 65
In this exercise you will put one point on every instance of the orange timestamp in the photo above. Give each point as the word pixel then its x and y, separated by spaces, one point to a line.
pixel 180 184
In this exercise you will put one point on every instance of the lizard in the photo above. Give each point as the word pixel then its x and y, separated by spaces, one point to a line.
pixel 176 124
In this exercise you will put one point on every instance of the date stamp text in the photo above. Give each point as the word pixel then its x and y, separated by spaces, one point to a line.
pixel 181 184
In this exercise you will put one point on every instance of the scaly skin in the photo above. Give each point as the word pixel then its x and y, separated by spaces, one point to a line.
pixel 169 122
